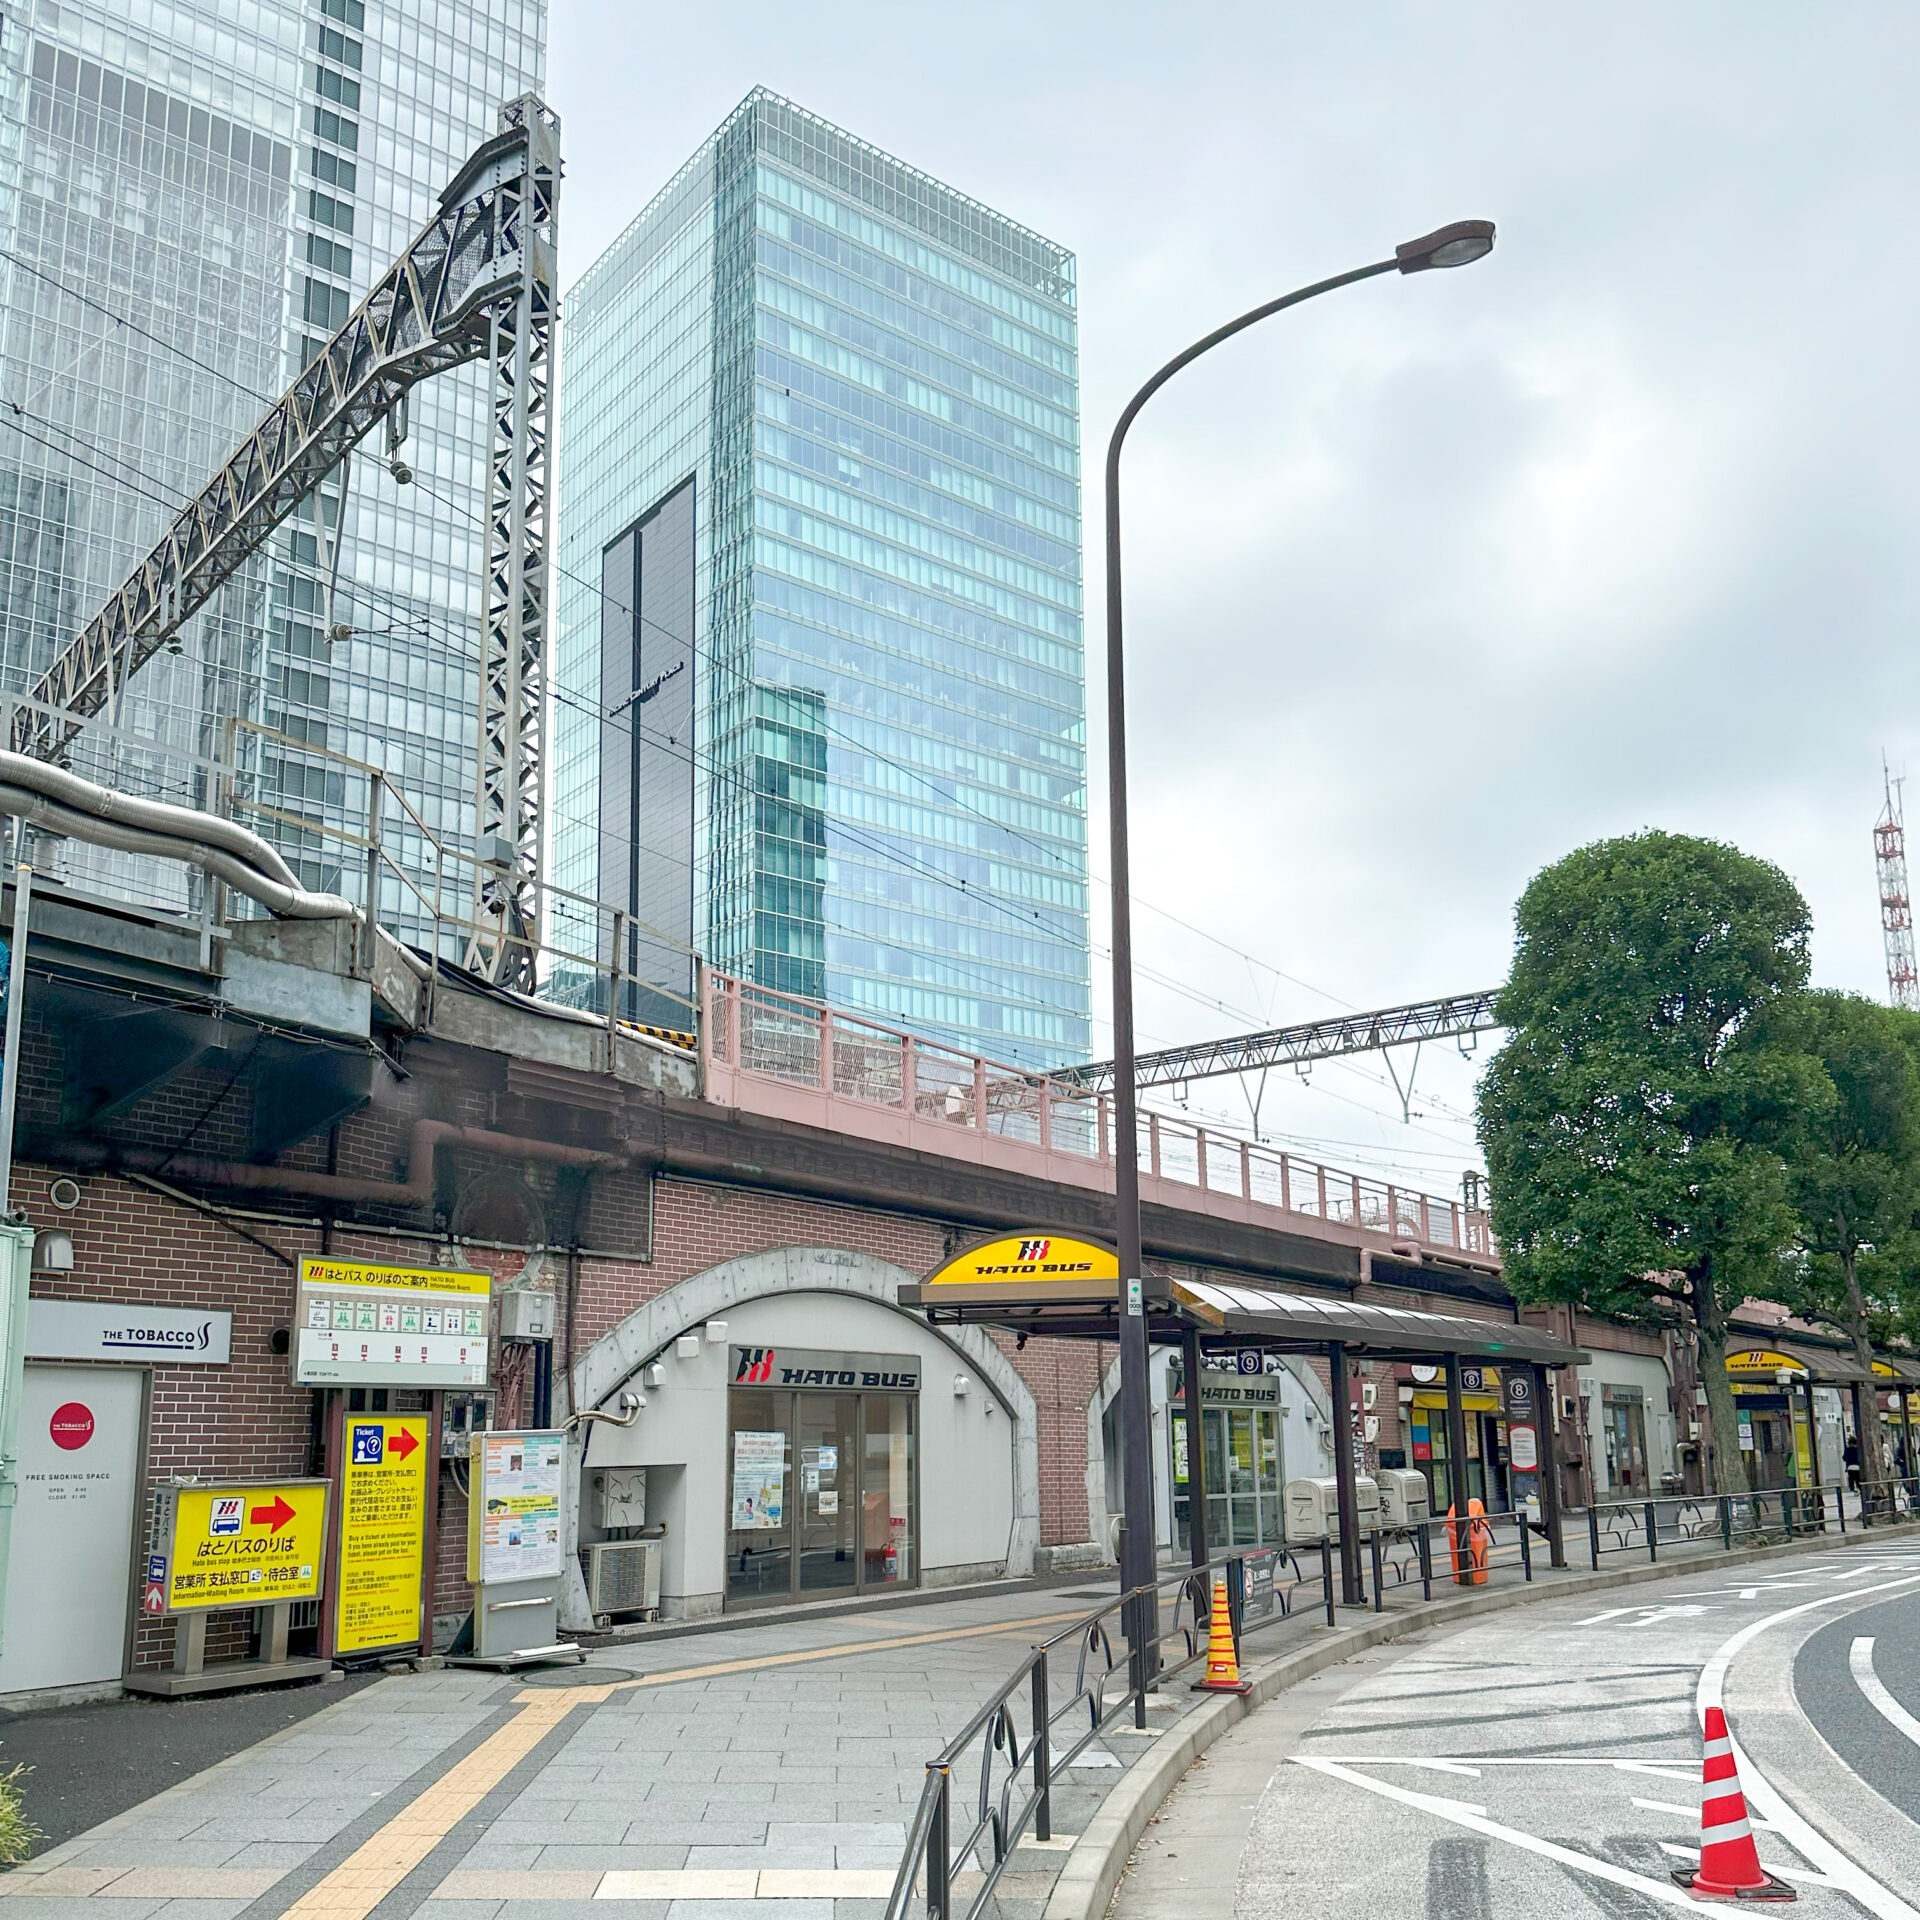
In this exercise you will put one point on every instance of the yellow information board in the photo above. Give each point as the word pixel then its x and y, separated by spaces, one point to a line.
pixel 237 1544
pixel 357 1324
pixel 384 1487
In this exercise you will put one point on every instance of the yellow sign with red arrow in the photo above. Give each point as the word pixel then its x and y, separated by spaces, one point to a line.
pixel 238 1543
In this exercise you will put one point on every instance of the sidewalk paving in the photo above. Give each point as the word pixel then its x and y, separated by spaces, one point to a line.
pixel 765 1773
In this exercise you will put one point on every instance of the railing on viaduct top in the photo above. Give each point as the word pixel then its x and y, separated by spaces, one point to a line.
pixel 788 1058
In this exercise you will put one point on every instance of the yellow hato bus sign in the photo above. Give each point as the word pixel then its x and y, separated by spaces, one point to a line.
pixel 1762 1360
pixel 1030 1266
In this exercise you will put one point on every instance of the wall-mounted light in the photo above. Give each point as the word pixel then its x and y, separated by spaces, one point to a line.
pixel 53 1251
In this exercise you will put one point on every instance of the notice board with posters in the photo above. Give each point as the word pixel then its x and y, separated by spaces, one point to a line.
pixel 384 1489
pixel 363 1325
pixel 513 1507
pixel 235 1543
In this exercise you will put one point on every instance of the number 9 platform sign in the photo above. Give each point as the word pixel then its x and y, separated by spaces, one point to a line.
pixel 236 1543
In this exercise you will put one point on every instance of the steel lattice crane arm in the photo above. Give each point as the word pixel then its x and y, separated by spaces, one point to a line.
pixel 1456 1015
pixel 436 307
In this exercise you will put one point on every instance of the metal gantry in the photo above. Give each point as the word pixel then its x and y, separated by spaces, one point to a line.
pixel 1454 1016
pixel 476 282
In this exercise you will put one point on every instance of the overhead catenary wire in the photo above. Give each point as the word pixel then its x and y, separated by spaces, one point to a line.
pixel 1074 868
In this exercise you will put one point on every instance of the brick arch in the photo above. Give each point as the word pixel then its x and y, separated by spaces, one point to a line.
pixel 651 1328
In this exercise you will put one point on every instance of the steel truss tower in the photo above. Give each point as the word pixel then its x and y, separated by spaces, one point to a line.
pixel 1896 903
pixel 476 282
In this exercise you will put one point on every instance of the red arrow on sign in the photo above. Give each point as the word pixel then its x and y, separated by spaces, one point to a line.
pixel 404 1443
pixel 273 1518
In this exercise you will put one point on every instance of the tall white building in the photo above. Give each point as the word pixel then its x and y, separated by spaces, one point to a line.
pixel 193 196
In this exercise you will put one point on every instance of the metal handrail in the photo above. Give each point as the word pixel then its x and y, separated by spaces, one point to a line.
pixel 1014 1785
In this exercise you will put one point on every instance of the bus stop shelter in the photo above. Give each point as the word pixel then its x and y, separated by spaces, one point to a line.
pixel 1068 1288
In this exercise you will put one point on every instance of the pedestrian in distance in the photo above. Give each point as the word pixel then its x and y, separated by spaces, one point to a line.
pixel 1851 1455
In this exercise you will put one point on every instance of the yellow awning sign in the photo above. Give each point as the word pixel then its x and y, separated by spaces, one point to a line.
pixel 238 1544
pixel 1762 1360
pixel 1038 1262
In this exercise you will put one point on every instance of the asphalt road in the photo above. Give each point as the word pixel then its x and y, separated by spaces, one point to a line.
pixel 1547 1761
pixel 85 1764
pixel 1842 1712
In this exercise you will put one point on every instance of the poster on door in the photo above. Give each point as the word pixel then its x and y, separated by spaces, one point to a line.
pixel 383 1528
pixel 759 1482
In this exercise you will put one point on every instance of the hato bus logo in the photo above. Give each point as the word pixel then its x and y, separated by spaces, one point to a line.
pixel 755 1368
pixel 1034 1251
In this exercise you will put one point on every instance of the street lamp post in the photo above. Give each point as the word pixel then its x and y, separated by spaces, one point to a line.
pixel 1454 246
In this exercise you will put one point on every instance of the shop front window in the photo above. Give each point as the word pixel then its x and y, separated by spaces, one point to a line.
pixel 821 1494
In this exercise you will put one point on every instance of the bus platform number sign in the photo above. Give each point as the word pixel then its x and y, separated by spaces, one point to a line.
pixel 238 1544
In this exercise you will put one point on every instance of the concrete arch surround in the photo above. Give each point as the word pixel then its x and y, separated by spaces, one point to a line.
pixel 648 1333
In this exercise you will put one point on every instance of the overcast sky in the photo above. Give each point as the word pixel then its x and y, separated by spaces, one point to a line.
pixel 1439 577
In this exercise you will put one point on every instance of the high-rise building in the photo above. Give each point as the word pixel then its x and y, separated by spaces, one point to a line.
pixel 193 196
pixel 822 691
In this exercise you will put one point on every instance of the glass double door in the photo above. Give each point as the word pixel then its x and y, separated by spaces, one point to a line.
pixel 1243 1477
pixel 821 1495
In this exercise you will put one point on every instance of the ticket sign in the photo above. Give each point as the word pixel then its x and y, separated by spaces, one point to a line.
pixel 359 1325
pixel 383 1523
pixel 237 1543
pixel 513 1507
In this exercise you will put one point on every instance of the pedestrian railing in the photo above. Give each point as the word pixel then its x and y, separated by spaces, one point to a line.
pixel 1643 1529
pixel 994 1780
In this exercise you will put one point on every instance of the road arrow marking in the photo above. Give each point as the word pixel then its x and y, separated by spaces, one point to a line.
pixel 1475 1819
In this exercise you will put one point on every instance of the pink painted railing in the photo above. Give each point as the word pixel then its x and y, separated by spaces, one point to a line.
pixel 790 1058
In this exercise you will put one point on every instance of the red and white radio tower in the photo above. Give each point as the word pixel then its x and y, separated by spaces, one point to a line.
pixel 1896 904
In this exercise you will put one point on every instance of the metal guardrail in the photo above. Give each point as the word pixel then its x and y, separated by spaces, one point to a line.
pixel 1005 1760
pixel 1643 1527
pixel 1009 1754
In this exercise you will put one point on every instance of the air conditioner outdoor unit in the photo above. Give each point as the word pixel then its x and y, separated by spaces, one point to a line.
pixel 623 1576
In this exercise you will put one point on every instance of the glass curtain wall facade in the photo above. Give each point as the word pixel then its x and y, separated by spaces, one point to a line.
pixel 193 195
pixel 873 383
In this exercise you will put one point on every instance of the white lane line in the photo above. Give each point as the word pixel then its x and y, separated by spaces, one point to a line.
pixel 1772 1867
pixel 1761 1794
pixel 1860 1660
pixel 1475 1819
pixel 1693 1813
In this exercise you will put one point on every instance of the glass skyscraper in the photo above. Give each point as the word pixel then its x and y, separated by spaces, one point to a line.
pixel 822 689
pixel 193 196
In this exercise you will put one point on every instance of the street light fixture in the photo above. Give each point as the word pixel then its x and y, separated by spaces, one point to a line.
pixel 1451 246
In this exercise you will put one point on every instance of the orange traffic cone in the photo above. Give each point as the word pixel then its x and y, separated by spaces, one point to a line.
pixel 1223 1665
pixel 1729 1866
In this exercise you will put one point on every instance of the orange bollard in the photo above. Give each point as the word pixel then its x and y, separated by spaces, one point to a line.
pixel 1479 1543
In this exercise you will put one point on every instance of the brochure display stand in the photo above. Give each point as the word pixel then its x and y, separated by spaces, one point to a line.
pixel 516 1483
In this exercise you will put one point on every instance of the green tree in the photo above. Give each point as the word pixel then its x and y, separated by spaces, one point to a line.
pixel 1627 1128
pixel 1853 1167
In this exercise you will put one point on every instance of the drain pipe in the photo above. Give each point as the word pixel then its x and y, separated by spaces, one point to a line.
pixel 415 1190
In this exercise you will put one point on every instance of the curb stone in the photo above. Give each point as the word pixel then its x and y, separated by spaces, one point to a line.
pixel 1091 1873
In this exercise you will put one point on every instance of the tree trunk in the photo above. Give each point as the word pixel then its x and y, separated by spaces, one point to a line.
pixel 1723 1415
pixel 1873 1466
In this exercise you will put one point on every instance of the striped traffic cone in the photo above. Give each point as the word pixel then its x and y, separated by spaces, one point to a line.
pixel 1223 1665
pixel 1729 1866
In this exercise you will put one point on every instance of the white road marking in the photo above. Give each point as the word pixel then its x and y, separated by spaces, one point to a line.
pixel 1766 1866
pixel 1693 1813
pixel 1860 1660
pixel 1658 1768
pixel 1841 1872
pixel 1475 1819
pixel 1648 1615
